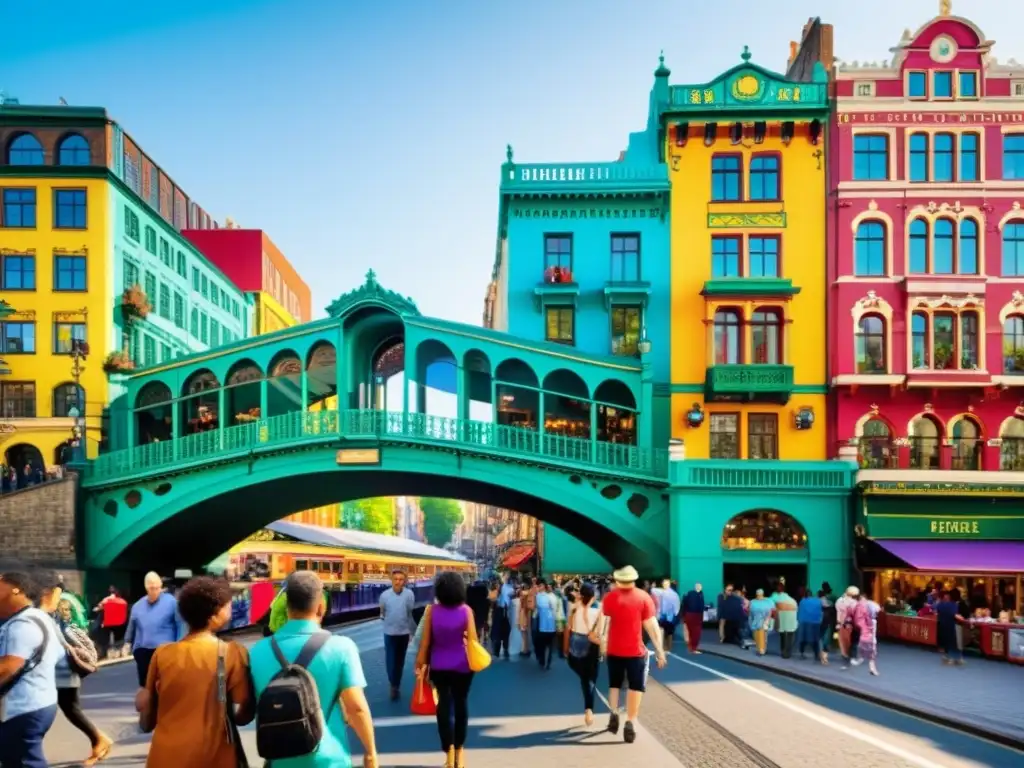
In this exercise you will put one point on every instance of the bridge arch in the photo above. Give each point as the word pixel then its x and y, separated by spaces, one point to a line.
pixel 154 406
pixel 199 402
pixel 322 375
pixel 284 384
pixel 243 393
pixel 206 512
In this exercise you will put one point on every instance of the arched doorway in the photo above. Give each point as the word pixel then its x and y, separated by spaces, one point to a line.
pixel 388 367
pixel 924 442
pixel 27 461
pixel 153 417
pixel 760 546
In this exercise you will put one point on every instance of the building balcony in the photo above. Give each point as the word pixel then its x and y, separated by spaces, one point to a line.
pixel 626 293
pixel 936 459
pixel 749 382
pixel 749 288
pixel 746 214
pixel 557 287
pixel 583 178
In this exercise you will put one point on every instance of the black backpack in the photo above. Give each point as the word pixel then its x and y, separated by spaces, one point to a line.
pixel 289 722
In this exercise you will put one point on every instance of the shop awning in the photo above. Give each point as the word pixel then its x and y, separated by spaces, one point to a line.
pixel 518 554
pixel 958 556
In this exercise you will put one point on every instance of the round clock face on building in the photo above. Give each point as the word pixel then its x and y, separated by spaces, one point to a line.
pixel 943 49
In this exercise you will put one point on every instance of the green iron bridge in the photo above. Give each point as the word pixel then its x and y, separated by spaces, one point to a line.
pixel 206 449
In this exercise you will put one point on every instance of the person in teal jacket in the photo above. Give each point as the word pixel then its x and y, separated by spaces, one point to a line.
pixel 279 609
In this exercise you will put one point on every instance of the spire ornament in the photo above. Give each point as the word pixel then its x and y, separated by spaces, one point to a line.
pixel 945 7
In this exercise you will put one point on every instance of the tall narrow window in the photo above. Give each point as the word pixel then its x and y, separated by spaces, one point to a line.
pixel 764 177
pixel 726 177
pixel 724 431
pixel 968 85
pixel 763 257
pixel 919 357
pixel 557 259
pixel 766 332
pixel 1013 249
pixel 942 256
pixel 969 340
pixel 942 159
pixel 942 85
pixel 725 256
pixel 917 85
pixel 559 325
pixel 919 157
pixel 871 157
pixel 762 436
pixel 625 258
pixel 727 337
pixel 870 249
pixel 969 157
pixel 967 253
pixel 871 345
pixel 1013 156
pixel 65 335
pixel 626 330
pixel 944 341
pixel 1013 344
pixel 918 246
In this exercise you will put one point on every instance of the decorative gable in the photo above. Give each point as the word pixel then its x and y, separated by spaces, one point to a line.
pixel 371 293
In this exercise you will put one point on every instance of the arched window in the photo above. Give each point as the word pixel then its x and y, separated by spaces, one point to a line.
pixel 967 258
pixel 967 445
pixel 918 247
pixel 919 341
pixel 924 443
pixel 1011 450
pixel 766 331
pixel 25 149
pixel 73 150
pixel 942 254
pixel 871 345
pixel 870 248
pixel 876 448
pixel 727 337
pixel 969 340
pixel 1013 344
pixel 68 396
pixel 1013 249
pixel 763 529
pixel 942 156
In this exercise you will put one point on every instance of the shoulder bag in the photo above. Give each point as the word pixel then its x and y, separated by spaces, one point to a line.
pixel 581 644
pixel 478 657
pixel 83 659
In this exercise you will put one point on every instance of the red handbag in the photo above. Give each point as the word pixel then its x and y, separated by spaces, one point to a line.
pixel 424 697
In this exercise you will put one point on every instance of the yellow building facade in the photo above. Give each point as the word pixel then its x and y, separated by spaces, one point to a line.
pixel 746 155
pixel 53 302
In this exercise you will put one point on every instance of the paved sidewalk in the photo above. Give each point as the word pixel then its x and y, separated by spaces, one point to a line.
pixel 984 695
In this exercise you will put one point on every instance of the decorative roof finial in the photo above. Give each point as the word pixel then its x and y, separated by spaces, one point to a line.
pixel 945 7
pixel 662 70
pixel 746 53
pixel 371 277
pixel 508 153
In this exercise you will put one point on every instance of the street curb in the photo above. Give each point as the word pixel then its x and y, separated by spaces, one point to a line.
pixel 997 737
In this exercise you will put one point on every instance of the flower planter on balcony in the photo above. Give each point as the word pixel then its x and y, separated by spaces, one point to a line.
pixel 135 304
pixel 118 362
pixel 557 288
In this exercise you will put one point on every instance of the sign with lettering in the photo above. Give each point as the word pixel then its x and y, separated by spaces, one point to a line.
pixel 358 456
pixel 594 212
pixel 884 526
pixel 930 118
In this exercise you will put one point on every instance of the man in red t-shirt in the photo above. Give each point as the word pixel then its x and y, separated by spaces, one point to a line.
pixel 626 612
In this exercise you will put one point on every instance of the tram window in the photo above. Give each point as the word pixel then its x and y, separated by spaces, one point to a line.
pixel 301 565
pixel 335 567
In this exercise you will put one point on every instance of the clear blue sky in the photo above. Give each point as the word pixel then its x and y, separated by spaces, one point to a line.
pixel 363 134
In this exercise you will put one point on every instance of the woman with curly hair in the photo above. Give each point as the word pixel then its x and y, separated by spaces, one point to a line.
pixel 198 689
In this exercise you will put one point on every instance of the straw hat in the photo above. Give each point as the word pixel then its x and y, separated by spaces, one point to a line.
pixel 853 592
pixel 625 575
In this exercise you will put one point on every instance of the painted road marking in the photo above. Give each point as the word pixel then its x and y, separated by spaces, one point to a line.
pixel 903 754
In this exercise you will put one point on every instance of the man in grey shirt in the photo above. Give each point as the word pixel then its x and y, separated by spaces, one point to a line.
pixel 396 606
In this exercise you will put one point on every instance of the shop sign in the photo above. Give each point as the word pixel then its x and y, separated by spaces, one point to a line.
pixel 881 526
pixel 914 630
pixel 358 456
pixel 931 118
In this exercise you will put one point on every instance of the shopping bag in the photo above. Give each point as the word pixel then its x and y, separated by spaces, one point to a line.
pixel 424 698
pixel 478 656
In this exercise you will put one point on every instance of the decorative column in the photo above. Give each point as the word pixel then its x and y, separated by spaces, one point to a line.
pixel 461 402
pixel 175 429
pixel 304 387
pixel 221 416
pixel 593 431
pixel 263 399
pixel 645 408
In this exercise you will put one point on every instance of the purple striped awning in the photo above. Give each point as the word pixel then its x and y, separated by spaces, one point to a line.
pixel 958 556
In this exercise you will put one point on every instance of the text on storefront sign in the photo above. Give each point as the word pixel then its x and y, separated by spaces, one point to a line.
pixel 932 118
pixel 955 527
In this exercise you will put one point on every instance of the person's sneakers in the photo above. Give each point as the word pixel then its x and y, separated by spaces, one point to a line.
pixel 613 723
pixel 629 732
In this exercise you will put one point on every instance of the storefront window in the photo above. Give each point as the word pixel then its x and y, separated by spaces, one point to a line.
pixel 876 448
pixel 764 530
pixel 924 443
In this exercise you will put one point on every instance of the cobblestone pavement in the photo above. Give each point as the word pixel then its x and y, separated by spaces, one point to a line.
pixel 719 714
pixel 796 724
pixel 984 694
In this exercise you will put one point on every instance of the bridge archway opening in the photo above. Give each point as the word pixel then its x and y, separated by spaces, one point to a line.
pixel 616 411
pixel 200 403
pixel 567 405
pixel 284 384
pixel 322 377
pixel 437 383
pixel 762 546
pixel 476 368
pixel 369 333
pixel 154 415
pixel 243 399
pixel 20 455
pixel 518 394
pixel 388 375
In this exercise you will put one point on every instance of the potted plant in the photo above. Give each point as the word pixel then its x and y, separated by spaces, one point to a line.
pixel 557 275
pixel 943 356
pixel 118 362
pixel 135 304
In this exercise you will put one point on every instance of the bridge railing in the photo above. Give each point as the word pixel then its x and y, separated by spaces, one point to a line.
pixel 300 428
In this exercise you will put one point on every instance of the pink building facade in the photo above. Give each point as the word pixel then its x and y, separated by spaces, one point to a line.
pixel 926 255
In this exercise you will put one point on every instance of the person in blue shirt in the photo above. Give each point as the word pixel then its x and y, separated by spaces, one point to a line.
pixel 501 622
pixel 153 622
pixel 545 619
pixel 809 615
pixel 336 669
pixel 29 653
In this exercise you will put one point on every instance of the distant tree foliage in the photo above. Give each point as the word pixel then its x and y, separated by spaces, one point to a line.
pixel 371 515
pixel 440 519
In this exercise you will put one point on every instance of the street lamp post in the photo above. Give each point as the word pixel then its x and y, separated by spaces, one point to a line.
pixel 79 352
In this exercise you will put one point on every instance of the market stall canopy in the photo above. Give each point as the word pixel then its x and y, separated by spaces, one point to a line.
pixel 518 555
pixel 975 557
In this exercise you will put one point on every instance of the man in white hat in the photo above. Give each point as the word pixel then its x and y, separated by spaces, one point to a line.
pixel 626 612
